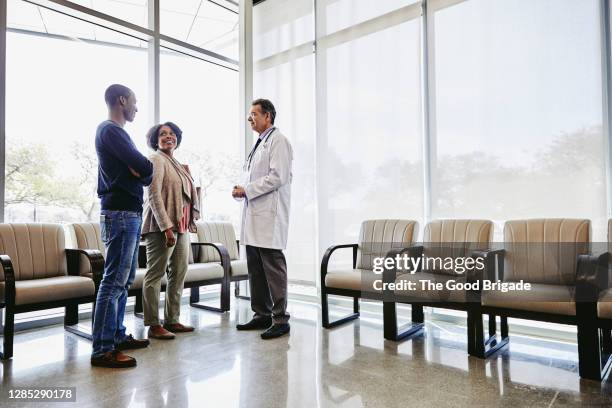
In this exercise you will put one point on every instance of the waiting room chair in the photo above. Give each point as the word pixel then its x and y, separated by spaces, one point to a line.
pixel 553 255
pixel 594 311
pixel 39 273
pixel 86 236
pixel 216 244
pixel 376 238
pixel 442 239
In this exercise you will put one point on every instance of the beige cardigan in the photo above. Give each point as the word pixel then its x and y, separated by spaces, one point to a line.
pixel 163 206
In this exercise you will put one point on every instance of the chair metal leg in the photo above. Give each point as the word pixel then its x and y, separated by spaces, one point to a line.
pixel 325 312
pixel 237 292
pixel 485 348
pixel 194 299
pixel 504 326
pixel 9 334
pixel 411 330
pixel 492 325
pixel 606 340
pixel 138 308
pixel 71 322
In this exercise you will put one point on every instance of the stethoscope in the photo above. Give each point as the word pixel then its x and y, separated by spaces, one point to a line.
pixel 249 159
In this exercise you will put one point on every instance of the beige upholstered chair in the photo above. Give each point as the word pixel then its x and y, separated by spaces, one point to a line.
pixel 86 235
pixel 215 249
pixel 36 275
pixel 223 232
pixel 546 254
pixel 376 238
pixel 594 311
pixel 442 239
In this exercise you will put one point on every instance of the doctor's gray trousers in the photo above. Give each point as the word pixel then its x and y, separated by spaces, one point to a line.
pixel 268 282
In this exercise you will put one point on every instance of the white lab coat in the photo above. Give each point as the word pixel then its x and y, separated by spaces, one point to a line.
pixel 265 213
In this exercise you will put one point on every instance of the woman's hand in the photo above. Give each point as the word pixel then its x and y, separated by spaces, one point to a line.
pixel 170 239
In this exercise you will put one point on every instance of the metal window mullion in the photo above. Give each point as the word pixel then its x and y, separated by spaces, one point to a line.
pixel 428 119
pixel 153 61
pixel 245 40
pixel 246 71
pixel 606 93
pixel 3 11
pixel 126 24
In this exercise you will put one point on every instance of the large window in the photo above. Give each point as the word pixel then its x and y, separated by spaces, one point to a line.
pixel 212 25
pixel 284 73
pixel 358 148
pixel 61 58
pixel 370 137
pixel 202 99
pixel 518 111
pixel 55 100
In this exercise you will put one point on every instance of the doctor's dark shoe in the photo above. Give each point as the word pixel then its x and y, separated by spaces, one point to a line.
pixel 257 323
pixel 277 330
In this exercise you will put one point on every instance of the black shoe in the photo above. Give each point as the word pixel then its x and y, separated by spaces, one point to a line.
pixel 257 323
pixel 130 343
pixel 277 330
pixel 113 359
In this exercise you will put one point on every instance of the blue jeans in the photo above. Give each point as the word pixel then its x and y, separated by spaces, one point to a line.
pixel 120 232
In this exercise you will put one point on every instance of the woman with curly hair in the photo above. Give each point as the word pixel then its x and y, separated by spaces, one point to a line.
pixel 170 210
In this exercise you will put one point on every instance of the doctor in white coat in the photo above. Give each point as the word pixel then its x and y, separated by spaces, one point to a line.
pixel 265 221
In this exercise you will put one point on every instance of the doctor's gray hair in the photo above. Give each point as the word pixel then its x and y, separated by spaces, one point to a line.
pixel 266 107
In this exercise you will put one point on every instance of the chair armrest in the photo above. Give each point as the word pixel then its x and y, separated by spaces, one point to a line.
pixel 328 254
pixel 95 258
pixel 414 251
pixel 591 276
pixel 490 256
pixel 219 247
pixel 8 277
pixel 142 255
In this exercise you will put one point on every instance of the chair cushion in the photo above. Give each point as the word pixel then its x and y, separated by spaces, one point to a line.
pixel 139 279
pixel 377 237
pixel 239 267
pixel 455 238
pixel 352 279
pixel 85 235
pixel 443 295
pixel 36 250
pixel 604 307
pixel 215 231
pixel 554 299
pixel 50 289
pixel 545 250
pixel 204 271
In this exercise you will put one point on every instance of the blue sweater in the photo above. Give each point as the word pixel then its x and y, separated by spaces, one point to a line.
pixel 118 188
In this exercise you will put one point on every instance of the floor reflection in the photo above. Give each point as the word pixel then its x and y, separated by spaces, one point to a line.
pixel 349 366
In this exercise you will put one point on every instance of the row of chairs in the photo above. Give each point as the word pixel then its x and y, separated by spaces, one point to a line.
pixel 39 272
pixel 568 277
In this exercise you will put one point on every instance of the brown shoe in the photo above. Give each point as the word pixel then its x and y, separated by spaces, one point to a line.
pixel 158 332
pixel 178 328
pixel 113 359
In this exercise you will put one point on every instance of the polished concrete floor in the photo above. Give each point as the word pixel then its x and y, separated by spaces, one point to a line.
pixel 349 366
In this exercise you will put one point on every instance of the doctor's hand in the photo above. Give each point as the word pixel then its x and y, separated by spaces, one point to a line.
pixel 238 192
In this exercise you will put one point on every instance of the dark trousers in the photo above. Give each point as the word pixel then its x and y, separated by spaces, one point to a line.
pixel 268 282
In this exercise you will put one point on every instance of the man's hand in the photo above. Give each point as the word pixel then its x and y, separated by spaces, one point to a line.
pixel 134 172
pixel 238 192
pixel 170 239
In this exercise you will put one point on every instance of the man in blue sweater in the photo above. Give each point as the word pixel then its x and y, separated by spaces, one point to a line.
pixel 122 173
